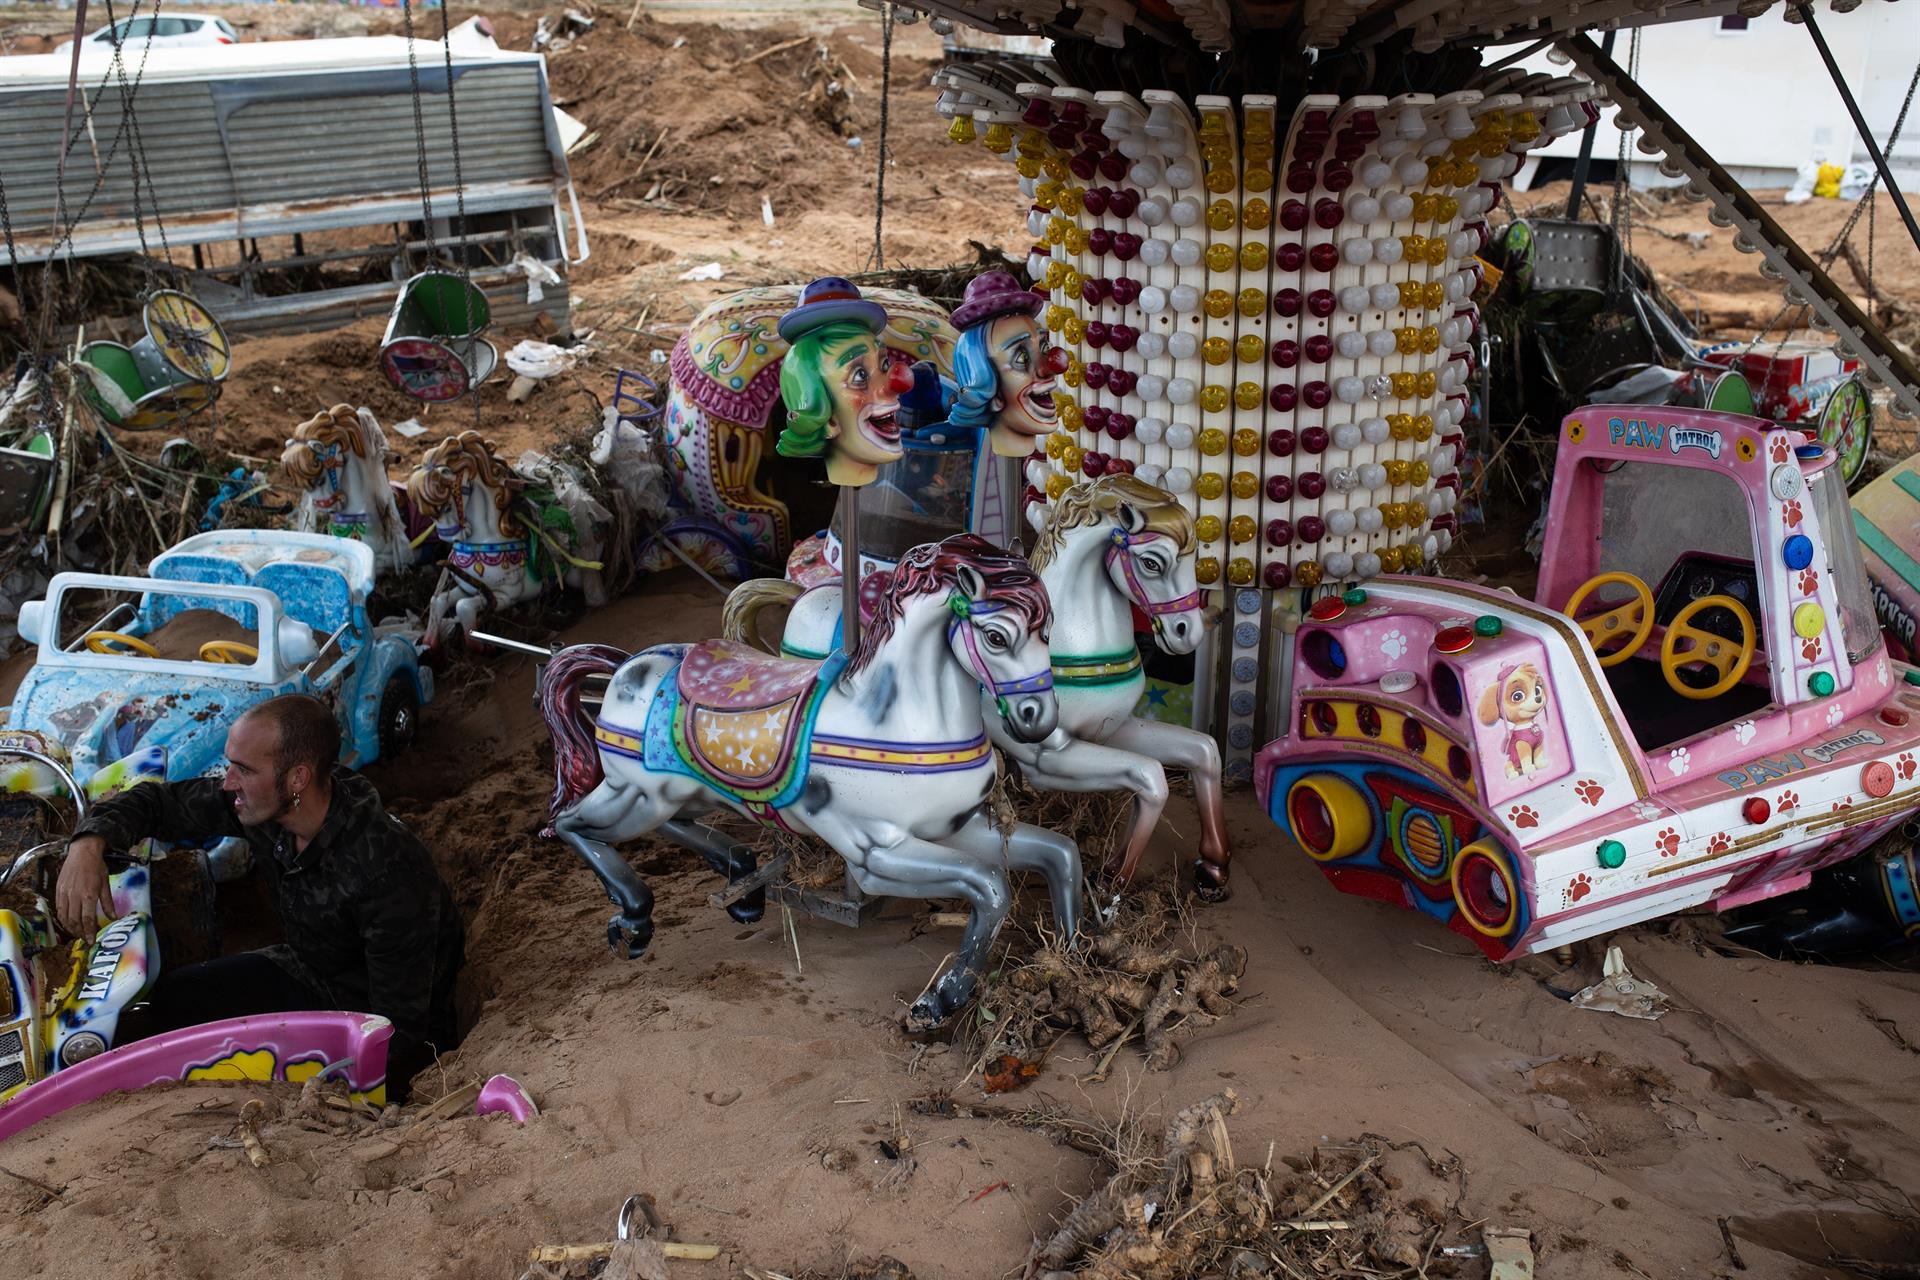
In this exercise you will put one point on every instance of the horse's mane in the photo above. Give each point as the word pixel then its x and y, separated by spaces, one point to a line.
pixel 933 567
pixel 341 426
pixel 1092 501
pixel 435 482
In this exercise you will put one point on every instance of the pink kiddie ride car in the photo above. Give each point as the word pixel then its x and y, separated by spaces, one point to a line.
pixel 1697 709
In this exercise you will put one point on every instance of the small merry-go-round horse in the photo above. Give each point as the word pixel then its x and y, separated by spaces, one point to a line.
pixel 339 461
pixel 1108 546
pixel 882 753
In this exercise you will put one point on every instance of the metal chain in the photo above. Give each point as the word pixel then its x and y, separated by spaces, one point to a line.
pixel 139 153
pixel 118 69
pixel 877 260
pixel 460 199
pixel 419 134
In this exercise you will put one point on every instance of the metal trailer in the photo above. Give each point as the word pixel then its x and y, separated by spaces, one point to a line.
pixel 286 139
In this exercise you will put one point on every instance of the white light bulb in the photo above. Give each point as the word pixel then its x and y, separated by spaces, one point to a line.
pixel 1373 475
pixel 1352 344
pixel 1153 299
pixel 1152 387
pixel 1180 174
pixel 1357 251
pixel 1178 480
pixel 1398 206
pixel 1149 430
pixel 1149 472
pixel 1180 391
pixel 1346 436
pixel 1036 222
pixel 1151 346
pixel 1152 211
pixel 1369 519
pixel 1366 565
pixel 1375 430
pixel 1179 436
pixel 1381 343
pixel 1186 252
pixel 1183 345
pixel 1411 170
pixel 1364 209
pixel 1338 564
pixel 1355 298
pixel 1389 249
pixel 1153 253
pixel 1349 389
pixel 1341 524
pixel 1186 210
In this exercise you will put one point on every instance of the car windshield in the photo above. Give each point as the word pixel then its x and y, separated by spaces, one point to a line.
pixel 140 626
pixel 1859 628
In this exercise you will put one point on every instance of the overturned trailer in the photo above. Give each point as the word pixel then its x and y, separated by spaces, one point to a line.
pixel 301 154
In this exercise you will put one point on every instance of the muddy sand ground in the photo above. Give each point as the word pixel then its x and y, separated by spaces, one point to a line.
pixel 1766 1127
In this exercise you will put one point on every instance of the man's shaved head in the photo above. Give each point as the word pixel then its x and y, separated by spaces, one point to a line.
pixel 306 732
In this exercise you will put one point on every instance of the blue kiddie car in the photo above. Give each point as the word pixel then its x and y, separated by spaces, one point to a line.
pixel 143 676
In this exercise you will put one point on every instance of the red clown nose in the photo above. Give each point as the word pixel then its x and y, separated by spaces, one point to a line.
pixel 1055 361
pixel 900 378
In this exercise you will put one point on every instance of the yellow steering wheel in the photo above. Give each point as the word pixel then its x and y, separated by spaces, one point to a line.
pixel 1707 648
pixel 228 651
pixel 119 644
pixel 1613 624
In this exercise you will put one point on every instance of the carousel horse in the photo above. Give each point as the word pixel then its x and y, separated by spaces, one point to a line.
pixel 497 557
pixel 339 459
pixel 1110 545
pixel 824 748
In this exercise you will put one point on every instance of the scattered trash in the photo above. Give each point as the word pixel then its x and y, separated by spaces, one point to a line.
pixel 539 275
pixel 854 142
pixel 505 1094
pixel 766 210
pixel 705 271
pixel 1510 1249
pixel 532 359
pixel 410 428
pixel 1618 991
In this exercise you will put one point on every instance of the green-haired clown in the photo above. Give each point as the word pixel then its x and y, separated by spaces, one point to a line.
pixel 840 390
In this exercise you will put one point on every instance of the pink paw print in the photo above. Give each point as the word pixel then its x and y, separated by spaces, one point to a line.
pixel 1720 843
pixel 1581 886
pixel 1778 449
pixel 1668 842
pixel 1905 765
pixel 1789 801
pixel 1841 806
pixel 1522 815
pixel 1790 512
pixel 1809 582
pixel 1810 648
pixel 1589 791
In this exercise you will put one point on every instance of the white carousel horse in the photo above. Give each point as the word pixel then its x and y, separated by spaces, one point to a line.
pixel 495 557
pixel 883 754
pixel 339 459
pixel 1109 544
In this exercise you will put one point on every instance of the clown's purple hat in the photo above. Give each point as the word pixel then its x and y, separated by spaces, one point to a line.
pixel 996 293
pixel 826 300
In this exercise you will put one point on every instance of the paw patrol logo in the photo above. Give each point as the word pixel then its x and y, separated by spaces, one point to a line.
pixel 1636 433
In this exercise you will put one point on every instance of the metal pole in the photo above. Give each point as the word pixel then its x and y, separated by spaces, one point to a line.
pixel 1860 123
pixel 849 568
pixel 1585 162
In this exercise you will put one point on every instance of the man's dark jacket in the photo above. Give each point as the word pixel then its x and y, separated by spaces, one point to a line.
pixel 367 919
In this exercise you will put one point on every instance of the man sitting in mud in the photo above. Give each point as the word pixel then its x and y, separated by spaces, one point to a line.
pixel 368 922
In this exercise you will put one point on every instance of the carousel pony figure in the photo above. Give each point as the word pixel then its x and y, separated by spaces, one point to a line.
pixel 1110 546
pixel 826 748
pixel 339 460
pixel 499 549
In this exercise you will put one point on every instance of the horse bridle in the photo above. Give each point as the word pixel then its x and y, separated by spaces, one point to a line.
pixel 1121 549
pixel 965 610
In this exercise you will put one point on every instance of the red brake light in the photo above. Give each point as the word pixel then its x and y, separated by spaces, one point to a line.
pixel 221 40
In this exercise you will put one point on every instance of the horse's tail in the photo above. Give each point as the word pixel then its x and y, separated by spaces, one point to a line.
pixel 576 759
pixel 737 616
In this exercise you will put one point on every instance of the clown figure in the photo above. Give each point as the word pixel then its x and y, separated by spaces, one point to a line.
pixel 1004 365
pixel 841 392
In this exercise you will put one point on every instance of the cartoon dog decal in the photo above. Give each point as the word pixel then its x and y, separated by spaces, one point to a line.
pixel 1519 698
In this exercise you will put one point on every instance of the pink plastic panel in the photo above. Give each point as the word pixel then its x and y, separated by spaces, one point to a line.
pixel 286 1046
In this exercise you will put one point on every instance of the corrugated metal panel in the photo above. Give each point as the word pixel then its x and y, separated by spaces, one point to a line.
pixel 286 151
pixel 300 139
pixel 176 127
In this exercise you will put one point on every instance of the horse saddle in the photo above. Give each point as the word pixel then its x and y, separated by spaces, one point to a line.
pixel 743 717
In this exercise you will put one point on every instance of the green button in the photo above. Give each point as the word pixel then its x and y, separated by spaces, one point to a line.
pixel 1912 677
pixel 1611 853
pixel 1355 596
pixel 1487 625
pixel 1820 683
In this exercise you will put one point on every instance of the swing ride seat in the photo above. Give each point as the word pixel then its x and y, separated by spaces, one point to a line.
pixel 171 373
pixel 24 475
pixel 433 350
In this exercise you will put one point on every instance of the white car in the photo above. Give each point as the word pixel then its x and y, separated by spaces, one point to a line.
pixel 167 31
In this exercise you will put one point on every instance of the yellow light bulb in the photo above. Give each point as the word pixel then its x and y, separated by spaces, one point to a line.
pixel 1206 570
pixel 1404 385
pixel 1240 570
pixel 1207 528
pixel 1071 417
pixel 1252 302
pixel 999 139
pixel 1247 397
pixel 1220 257
pixel 1307 573
pixel 1259 177
pixel 1410 294
pixel 1210 486
pixel 1397 469
pixel 1055 443
pixel 1055 167
pixel 1246 441
pixel 1076 373
pixel 1435 294
pixel 1400 425
pixel 1075 240
pixel 1253 256
pixel 1256 215
pixel 1070 458
pixel 1218 303
pixel 1075 329
pixel 1249 347
pixel 961 130
pixel 1216 350
pixel 1426 383
pixel 1056 485
pixel 1070 200
pixel 1220 180
pixel 1390 559
pixel 1423 427
pixel 1419 473
pixel 1241 528
pixel 1244 484
pixel 1220 215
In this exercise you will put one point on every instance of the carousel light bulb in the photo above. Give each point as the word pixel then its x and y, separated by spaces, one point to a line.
pixel 1186 253
pixel 1355 298
pixel 1154 253
pixel 1349 390
pixel 1181 391
pixel 1181 175
pixel 1398 207
pixel 1179 435
pixel 1347 436
pixel 1153 210
pixel 1357 251
pixel 1342 480
pixel 1186 211
pixel 1366 565
pixel 1375 430
pixel 1152 387
pixel 1373 475
pixel 1461 244
pixel 1177 480
pixel 1380 343
pixel 1369 519
pixel 1150 472
pixel 1351 344
pixel 1149 430
pixel 1183 345
pixel 1151 346
pixel 1363 208
pixel 1338 564
pixel 1153 299
pixel 1411 171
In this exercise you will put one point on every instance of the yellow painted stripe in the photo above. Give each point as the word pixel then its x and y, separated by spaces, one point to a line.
pixel 613 738
pixel 876 755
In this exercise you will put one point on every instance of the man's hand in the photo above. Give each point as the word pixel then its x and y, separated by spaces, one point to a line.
pixel 82 894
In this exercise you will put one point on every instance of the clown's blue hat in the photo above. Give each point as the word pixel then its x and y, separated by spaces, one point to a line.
pixel 826 300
